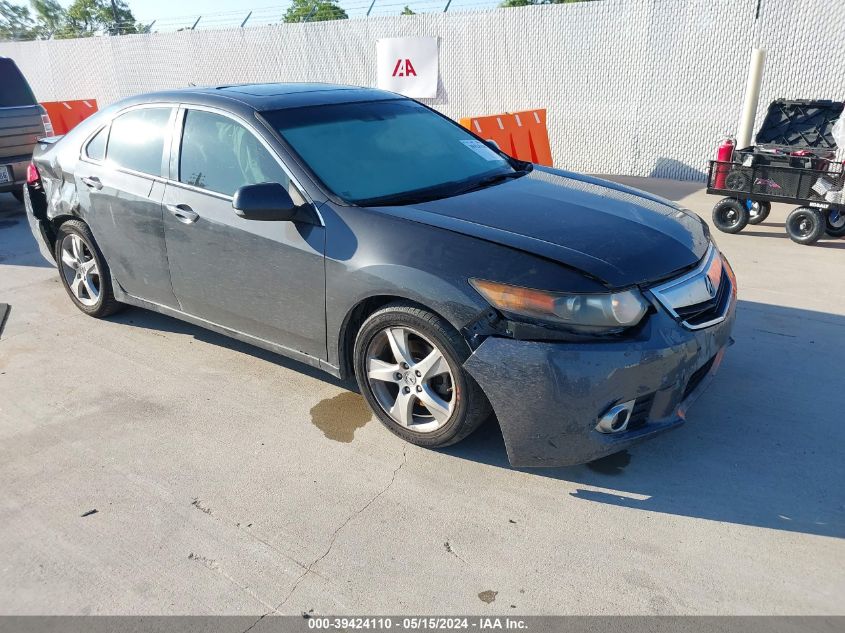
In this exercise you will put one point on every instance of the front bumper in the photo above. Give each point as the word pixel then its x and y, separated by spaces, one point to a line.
pixel 548 396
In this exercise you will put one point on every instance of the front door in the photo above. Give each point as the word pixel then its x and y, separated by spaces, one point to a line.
pixel 265 279
pixel 120 185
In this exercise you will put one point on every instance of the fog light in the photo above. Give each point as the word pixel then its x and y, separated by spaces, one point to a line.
pixel 616 419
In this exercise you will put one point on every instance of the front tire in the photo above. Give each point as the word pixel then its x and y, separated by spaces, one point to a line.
pixel 83 270
pixel 805 225
pixel 409 366
pixel 730 215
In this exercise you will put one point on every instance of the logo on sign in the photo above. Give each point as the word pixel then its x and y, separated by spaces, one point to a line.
pixel 404 68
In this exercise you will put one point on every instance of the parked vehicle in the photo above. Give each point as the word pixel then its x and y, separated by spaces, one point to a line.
pixel 22 121
pixel 792 162
pixel 367 235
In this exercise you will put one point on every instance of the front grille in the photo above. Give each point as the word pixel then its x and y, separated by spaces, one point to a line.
pixel 640 412
pixel 697 376
pixel 692 299
pixel 706 311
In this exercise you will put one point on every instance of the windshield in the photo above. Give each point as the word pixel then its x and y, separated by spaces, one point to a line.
pixel 388 152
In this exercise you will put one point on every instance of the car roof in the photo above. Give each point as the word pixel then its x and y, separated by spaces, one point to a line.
pixel 269 96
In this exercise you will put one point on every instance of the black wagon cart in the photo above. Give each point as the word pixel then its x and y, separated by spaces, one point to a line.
pixel 793 161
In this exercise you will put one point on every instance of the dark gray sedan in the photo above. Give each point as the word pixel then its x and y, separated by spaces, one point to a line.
pixel 363 233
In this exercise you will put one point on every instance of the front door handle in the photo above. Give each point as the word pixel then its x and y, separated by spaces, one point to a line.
pixel 183 213
pixel 92 182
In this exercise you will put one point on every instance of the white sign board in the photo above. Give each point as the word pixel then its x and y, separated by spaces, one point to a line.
pixel 409 66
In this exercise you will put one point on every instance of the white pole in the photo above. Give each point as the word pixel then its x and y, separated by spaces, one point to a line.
pixel 752 96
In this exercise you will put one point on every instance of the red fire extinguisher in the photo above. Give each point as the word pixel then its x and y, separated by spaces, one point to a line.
pixel 724 155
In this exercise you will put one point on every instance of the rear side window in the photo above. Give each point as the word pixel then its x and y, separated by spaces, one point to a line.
pixel 221 155
pixel 96 148
pixel 14 91
pixel 137 140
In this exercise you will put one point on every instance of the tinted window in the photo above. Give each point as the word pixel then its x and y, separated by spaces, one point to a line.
pixel 14 91
pixel 137 139
pixel 386 149
pixel 221 155
pixel 96 147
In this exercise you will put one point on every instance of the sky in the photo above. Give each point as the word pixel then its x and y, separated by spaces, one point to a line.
pixel 170 15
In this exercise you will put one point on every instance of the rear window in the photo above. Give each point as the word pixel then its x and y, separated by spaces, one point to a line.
pixel 14 91
pixel 136 140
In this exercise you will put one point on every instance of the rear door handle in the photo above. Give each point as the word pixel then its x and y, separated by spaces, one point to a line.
pixel 183 213
pixel 92 182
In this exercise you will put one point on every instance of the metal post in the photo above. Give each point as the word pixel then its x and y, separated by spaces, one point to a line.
pixel 248 15
pixel 372 4
pixel 446 8
pixel 195 23
pixel 149 27
pixel 310 13
pixel 752 97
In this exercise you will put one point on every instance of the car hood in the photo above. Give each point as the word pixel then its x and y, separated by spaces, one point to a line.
pixel 616 234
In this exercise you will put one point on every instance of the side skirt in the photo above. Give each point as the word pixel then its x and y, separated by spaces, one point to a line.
pixel 122 296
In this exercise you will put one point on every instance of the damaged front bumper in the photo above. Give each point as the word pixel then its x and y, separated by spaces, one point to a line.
pixel 548 396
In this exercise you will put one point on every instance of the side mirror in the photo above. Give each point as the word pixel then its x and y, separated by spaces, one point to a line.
pixel 267 201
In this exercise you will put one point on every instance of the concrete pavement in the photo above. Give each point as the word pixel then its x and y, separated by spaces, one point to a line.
pixel 228 480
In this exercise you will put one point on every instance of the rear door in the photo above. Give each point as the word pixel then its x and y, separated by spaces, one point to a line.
pixel 20 124
pixel 120 185
pixel 265 279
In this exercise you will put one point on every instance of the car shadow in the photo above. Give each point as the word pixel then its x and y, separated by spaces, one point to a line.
pixel 17 246
pixel 149 320
pixel 761 447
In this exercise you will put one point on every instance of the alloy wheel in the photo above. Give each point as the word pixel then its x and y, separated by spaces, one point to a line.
pixel 80 270
pixel 410 378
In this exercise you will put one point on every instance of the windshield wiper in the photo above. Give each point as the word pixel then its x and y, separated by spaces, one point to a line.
pixel 495 179
pixel 441 191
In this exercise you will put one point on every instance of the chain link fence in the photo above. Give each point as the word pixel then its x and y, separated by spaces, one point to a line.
pixel 640 87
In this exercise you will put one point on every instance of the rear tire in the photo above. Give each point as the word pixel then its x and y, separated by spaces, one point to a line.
pixel 730 215
pixel 83 270
pixel 805 225
pixel 835 228
pixel 759 212
pixel 425 402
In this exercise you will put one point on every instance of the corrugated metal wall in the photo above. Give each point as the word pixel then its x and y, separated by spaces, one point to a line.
pixel 641 87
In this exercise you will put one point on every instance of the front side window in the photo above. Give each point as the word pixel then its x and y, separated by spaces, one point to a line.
pixel 387 151
pixel 137 140
pixel 96 148
pixel 221 155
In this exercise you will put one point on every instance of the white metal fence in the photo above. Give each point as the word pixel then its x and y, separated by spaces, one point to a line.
pixel 641 87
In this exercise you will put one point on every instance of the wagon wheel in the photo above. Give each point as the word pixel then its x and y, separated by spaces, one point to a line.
pixel 758 212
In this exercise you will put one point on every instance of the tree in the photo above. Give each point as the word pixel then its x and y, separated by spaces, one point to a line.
pixel 314 11
pixel 407 11
pixel 92 17
pixel 49 16
pixel 16 22
pixel 83 18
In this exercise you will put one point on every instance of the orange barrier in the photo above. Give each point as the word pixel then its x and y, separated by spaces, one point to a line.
pixel 66 115
pixel 492 128
pixel 522 135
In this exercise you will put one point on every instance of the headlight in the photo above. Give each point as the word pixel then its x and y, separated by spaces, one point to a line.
pixel 585 312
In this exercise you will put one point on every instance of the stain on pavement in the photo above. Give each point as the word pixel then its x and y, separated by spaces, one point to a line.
pixel 488 596
pixel 339 417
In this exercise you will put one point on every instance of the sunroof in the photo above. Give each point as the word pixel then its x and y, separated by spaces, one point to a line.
pixel 269 90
